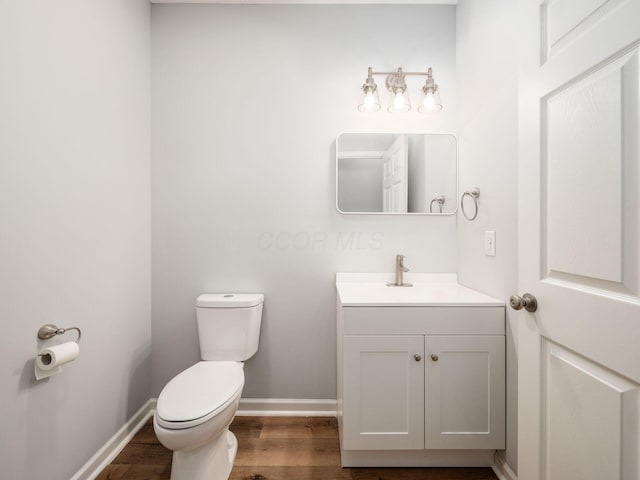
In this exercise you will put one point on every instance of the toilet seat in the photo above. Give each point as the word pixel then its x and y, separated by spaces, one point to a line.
pixel 198 394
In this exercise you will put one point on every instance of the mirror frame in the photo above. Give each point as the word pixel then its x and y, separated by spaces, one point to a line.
pixel 444 214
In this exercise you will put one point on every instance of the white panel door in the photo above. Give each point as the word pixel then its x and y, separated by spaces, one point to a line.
pixel 383 399
pixel 465 392
pixel 579 240
pixel 395 177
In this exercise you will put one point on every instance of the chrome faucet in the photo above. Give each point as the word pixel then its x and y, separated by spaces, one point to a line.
pixel 400 269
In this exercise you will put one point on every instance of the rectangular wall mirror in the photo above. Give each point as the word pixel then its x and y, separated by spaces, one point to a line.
pixel 401 173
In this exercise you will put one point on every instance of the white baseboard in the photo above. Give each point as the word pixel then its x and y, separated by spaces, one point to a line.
pixel 111 449
pixel 280 407
pixel 502 469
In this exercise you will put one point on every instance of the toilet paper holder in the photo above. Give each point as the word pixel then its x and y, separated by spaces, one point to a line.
pixel 49 360
pixel 50 330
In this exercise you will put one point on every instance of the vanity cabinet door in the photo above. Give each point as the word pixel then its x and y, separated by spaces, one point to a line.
pixel 465 392
pixel 383 398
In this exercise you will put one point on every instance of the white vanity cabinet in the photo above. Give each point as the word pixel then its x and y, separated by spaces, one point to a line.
pixel 420 385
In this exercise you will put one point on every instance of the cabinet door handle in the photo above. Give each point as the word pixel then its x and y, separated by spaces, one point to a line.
pixel 434 357
pixel 417 357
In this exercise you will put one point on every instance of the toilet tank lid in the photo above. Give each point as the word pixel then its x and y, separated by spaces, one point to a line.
pixel 229 300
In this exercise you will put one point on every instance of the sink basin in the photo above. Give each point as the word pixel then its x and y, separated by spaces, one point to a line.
pixel 429 289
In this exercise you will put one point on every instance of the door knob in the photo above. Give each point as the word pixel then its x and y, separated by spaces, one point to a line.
pixel 527 301
pixel 417 357
pixel 434 357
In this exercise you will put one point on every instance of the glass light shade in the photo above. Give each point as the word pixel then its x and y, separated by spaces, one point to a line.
pixel 399 102
pixel 430 102
pixel 370 102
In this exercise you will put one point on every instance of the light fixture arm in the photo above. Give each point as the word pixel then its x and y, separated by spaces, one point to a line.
pixel 406 74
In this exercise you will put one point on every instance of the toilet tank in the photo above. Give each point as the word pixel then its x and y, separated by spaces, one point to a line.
pixel 229 325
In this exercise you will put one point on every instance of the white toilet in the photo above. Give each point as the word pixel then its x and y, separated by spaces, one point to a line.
pixel 196 407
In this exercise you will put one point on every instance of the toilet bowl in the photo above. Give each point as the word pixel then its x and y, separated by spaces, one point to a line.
pixel 197 406
pixel 192 418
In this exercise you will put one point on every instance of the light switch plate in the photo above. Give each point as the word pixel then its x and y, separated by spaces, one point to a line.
pixel 490 243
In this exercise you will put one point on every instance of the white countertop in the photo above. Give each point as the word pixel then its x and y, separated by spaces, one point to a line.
pixel 429 289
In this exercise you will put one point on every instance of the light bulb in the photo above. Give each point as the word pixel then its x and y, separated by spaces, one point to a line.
pixel 429 101
pixel 399 101
pixel 370 101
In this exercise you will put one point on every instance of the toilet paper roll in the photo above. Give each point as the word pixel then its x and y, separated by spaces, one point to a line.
pixel 50 360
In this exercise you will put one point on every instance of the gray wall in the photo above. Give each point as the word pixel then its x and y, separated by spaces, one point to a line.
pixel 247 103
pixel 74 216
pixel 488 141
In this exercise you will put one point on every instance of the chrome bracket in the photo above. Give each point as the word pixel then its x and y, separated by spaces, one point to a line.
pixel 50 330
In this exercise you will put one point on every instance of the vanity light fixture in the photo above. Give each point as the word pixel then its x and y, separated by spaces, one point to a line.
pixel 399 102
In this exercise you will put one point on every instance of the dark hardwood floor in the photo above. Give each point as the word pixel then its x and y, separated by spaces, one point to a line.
pixel 276 448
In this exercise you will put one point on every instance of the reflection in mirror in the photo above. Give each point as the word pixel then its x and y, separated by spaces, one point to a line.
pixel 396 173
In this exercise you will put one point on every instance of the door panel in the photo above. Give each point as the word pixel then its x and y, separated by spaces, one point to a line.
pixel 563 21
pixel 583 131
pixel 464 392
pixel 585 415
pixel 383 392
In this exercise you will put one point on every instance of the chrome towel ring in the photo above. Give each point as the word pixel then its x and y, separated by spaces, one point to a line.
pixel 439 200
pixel 474 193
